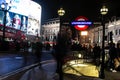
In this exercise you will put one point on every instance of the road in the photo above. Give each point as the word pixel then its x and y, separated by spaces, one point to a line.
pixel 10 62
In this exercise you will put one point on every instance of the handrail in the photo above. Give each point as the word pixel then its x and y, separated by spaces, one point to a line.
pixel 67 65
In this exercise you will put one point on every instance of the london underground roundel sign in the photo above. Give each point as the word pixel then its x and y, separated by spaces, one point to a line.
pixel 81 23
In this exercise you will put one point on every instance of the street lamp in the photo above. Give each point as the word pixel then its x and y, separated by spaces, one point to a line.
pixel 61 13
pixel 103 11
pixel 5 7
pixel 60 46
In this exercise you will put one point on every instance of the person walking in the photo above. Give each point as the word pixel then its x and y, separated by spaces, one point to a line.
pixel 113 56
pixel 118 49
pixel 48 46
pixel 38 50
pixel 117 60
pixel 61 49
pixel 96 53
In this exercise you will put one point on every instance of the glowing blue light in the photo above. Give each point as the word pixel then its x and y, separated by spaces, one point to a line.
pixel 81 23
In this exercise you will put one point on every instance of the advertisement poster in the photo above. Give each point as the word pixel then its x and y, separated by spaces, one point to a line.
pixel 32 27
pixel 16 21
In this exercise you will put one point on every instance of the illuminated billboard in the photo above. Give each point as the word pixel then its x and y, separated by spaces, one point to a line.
pixel 34 19
pixel 17 21
pixel 23 15
pixel 18 6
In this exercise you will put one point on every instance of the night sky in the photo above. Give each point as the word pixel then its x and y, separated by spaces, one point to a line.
pixel 75 8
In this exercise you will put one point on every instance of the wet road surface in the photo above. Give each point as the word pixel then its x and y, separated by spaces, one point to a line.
pixel 11 62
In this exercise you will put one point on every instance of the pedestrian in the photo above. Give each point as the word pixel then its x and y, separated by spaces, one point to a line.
pixel 118 49
pixel 117 60
pixel 17 44
pixel 38 50
pixel 61 50
pixel 113 56
pixel 96 54
pixel 48 46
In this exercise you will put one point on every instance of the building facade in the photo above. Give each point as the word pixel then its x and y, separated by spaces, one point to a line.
pixel 112 33
pixel 50 30
pixel 96 35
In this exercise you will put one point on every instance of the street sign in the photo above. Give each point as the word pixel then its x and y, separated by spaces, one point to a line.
pixel 81 23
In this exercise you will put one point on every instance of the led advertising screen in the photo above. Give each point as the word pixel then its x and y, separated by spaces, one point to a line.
pixel 34 19
pixel 23 13
pixel 33 27
pixel 18 6
pixel 16 21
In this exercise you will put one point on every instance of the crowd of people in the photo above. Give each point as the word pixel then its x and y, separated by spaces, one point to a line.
pixel 95 52
pixel 60 49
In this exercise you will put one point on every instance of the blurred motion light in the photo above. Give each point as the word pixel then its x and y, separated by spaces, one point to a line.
pixel 79 55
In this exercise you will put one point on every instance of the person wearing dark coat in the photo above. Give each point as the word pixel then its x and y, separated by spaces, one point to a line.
pixel 38 50
pixel 96 52
pixel 113 55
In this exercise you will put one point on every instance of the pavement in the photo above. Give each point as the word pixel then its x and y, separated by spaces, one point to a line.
pixel 12 67
pixel 45 72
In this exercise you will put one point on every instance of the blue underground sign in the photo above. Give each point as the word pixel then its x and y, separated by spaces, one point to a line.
pixel 81 23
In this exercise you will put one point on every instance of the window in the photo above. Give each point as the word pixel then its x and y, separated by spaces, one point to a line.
pixel 119 31
pixel 116 31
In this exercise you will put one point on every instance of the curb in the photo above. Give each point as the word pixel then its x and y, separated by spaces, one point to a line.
pixel 24 69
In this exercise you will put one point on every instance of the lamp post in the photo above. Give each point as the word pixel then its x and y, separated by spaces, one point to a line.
pixel 103 11
pixel 5 7
pixel 61 13
pixel 60 46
